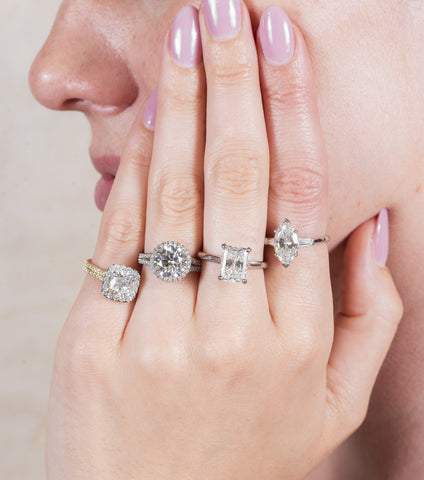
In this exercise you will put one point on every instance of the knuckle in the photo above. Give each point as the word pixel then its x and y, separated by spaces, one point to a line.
pixel 241 173
pixel 292 94
pixel 161 362
pixel 122 227
pixel 304 348
pixel 78 357
pixel 182 94
pixel 227 360
pixel 299 185
pixel 395 308
pixel 179 196
pixel 137 161
pixel 231 70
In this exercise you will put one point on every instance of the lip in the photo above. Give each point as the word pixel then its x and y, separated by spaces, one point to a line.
pixel 107 166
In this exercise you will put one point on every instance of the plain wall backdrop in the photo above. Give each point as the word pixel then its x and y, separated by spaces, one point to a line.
pixel 48 226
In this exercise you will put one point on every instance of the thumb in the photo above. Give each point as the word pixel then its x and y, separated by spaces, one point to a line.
pixel 371 309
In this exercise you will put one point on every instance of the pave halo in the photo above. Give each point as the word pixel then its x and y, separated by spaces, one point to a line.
pixel 120 283
pixel 170 261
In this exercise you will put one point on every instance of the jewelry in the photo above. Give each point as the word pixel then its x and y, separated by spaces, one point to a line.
pixel 234 263
pixel 119 283
pixel 286 242
pixel 170 261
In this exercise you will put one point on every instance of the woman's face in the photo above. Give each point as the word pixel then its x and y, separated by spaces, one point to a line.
pixel 102 58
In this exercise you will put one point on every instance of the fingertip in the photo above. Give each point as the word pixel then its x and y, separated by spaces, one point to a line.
pixel 381 238
pixel 276 36
pixel 359 270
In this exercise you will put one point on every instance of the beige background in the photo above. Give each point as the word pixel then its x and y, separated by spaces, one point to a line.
pixel 48 225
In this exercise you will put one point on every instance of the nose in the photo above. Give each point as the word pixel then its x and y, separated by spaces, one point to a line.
pixel 77 69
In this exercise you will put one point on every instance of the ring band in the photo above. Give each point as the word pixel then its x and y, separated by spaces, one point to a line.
pixel 286 242
pixel 170 261
pixel 119 283
pixel 234 263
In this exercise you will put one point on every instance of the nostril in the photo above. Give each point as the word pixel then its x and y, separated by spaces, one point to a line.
pixel 71 103
pixel 76 71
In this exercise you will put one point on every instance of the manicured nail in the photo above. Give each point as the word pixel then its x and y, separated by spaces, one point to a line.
pixel 276 36
pixel 381 238
pixel 149 118
pixel 185 37
pixel 223 18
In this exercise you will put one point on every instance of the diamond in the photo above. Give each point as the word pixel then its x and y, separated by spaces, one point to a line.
pixel 286 243
pixel 234 264
pixel 120 283
pixel 170 261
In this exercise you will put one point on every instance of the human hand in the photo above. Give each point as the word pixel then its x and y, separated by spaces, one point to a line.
pixel 206 379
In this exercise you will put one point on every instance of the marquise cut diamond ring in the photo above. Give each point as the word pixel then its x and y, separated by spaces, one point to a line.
pixel 119 283
pixel 170 261
pixel 286 242
pixel 234 263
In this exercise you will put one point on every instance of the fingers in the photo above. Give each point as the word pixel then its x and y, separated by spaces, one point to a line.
pixel 175 186
pixel 299 295
pixel 364 329
pixel 236 155
pixel 97 321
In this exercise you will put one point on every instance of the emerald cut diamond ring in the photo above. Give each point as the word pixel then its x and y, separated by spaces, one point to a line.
pixel 234 263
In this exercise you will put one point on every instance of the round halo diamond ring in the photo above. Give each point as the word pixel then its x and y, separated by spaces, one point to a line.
pixel 119 283
pixel 286 242
pixel 170 261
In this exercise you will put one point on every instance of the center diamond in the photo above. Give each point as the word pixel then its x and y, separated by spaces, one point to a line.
pixel 170 261
pixel 120 283
pixel 234 264
pixel 286 243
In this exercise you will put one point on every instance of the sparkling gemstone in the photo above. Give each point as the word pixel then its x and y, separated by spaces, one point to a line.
pixel 170 261
pixel 286 243
pixel 234 264
pixel 120 283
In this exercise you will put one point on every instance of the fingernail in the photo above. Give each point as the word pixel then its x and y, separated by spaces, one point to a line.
pixel 223 18
pixel 185 37
pixel 381 238
pixel 149 118
pixel 276 36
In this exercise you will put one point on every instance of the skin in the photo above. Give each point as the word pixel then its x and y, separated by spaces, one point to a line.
pixel 368 70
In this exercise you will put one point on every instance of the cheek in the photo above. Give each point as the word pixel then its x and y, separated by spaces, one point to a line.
pixel 362 92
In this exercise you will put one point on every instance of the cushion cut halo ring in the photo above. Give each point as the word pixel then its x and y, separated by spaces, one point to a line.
pixel 234 263
pixel 170 261
pixel 119 283
pixel 286 242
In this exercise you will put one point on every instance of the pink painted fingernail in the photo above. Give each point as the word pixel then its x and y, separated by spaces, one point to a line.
pixel 223 18
pixel 185 38
pixel 276 36
pixel 149 118
pixel 381 238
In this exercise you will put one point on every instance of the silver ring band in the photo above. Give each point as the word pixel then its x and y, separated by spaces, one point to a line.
pixel 218 259
pixel 146 258
pixel 303 242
